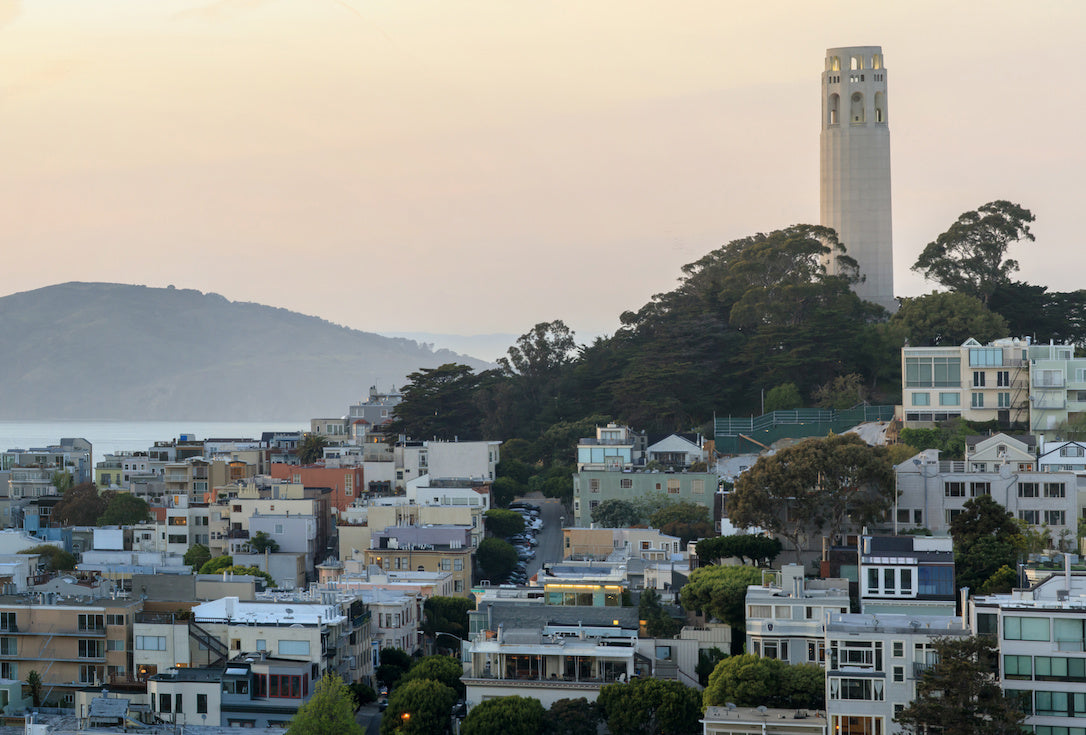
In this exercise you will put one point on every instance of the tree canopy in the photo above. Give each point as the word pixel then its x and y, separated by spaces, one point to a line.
pixel 759 549
pixel 80 505
pixel 123 509
pixel 986 538
pixel 426 703
pixel 946 319
pixel 572 717
pixel 54 557
pixel 444 669
pixel 217 564
pixel 496 557
pixel 446 615
pixel 969 257
pixel 750 681
pixel 721 593
pixel 959 695
pixel 330 711
pixel 658 622
pixel 818 486
pixel 311 448
pixel 615 513
pixel 261 542
pixel 650 707
pixel 197 556
pixel 504 523
pixel 438 402
pixel 505 715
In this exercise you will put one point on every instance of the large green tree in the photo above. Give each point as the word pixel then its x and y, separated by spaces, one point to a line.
pixel 650 707
pixel 946 319
pixel 572 717
pixel 54 557
pixel 419 707
pixel 197 556
pixel 445 669
pixel 986 537
pixel 615 513
pixel 446 615
pixel 393 663
pixel 960 695
pixel 658 621
pixel 505 715
pixel 969 258
pixel 721 593
pixel 818 486
pixel 439 402
pixel 496 557
pixel 750 681
pixel 759 549
pixel 504 523
pixel 330 711
pixel 81 505
pixel 261 542
pixel 123 509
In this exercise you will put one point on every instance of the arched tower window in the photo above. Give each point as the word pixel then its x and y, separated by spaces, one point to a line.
pixel 857 63
pixel 876 61
pixel 880 107
pixel 834 106
pixel 856 111
pixel 835 63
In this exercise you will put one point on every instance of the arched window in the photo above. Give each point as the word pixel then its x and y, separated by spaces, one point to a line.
pixel 876 61
pixel 836 63
pixel 880 107
pixel 856 111
pixel 834 106
pixel 857 63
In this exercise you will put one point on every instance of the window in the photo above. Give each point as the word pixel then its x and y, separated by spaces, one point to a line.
pixel 1028 490
pixel 1055 490
pixel 932 372
pixel 293 648
pixel 1058 669
pixel 115 619
pixel 1018 667
pixel 673 486
pixel 697 486
pixel 594 486
pixel 954 489
pixel 899 673
pixel 1071 450
pixel 759 611
pixel 935 580
pixel 1055 517
pixel 906 577
pixel 986 357
pixel 1003 378
pixel 980 488
pixel 165 702
pixel 458 565
pixel 92 622
pixel 921 399
pixel 625 483
pixel 977 400
pixel 201 704
pixel 1004 400
pixel 177 703
pixel 261 644
pixel 897 649
pixel 90 649
pixel 1030 516
pixel 9 647
pixel 150 643
pixel 1025 629
pixel 950 399
pixel 978 379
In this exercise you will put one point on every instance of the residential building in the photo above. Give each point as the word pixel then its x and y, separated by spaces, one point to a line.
pixel 873 663
pixel 1062 456
pixel 907 575
pixel 678 451
pixel 69 644
pixel 1041 636
pixel 613 448
pixel 593 486
pixel 648 544
pixel 1057 387
pixel 424 549
pixel 972 381
pixel 346 484
pixel 378 409
pixel 71 455
pixel 786 615
pixel 734 720
pixel 933 492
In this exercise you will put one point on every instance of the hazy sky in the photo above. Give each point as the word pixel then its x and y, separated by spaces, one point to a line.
pixel 475 166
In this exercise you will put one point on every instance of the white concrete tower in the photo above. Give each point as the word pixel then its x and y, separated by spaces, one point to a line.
pixel 855 165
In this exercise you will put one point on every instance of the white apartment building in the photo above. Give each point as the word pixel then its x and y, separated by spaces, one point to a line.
pixel 786 615
pixel 1041 633
pixel 873 664
pixel 1057 387
pixel 933 492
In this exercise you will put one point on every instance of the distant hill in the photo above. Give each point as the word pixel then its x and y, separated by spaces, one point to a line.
pixel 107 350
pixel 487 347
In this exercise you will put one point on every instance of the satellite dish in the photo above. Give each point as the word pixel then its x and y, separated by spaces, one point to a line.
pixel 762 709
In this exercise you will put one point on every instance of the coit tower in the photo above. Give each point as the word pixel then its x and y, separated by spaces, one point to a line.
pixel 855 166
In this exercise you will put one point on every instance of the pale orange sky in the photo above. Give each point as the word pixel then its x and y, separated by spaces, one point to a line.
pixel 480 166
